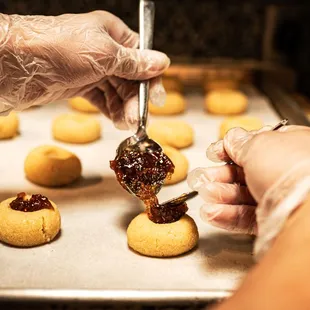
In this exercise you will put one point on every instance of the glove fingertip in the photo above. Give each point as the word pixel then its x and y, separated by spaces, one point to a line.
pixel 236 133
pixel 158 95
pixel 194 179
pixel 151 64
pixel 132 125
pixel 158 61
pixel 234 142
pixel 133 64
pixel 120 124
pixel 216 152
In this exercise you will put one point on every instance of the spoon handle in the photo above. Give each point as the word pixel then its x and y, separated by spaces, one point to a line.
pixel 146 30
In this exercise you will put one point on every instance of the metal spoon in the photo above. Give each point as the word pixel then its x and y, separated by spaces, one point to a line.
pixel 184 197
pixel 140 141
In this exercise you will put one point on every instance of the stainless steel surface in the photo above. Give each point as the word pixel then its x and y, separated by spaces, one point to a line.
pixel 90 260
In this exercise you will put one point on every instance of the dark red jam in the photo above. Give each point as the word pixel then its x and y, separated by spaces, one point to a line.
pixel 165 213
pixel 35 203
pixel 144 173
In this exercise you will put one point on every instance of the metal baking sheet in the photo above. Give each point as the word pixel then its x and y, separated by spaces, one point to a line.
pixel 90 260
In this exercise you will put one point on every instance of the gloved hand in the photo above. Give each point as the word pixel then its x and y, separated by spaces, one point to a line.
pixel 269 180
pixel 95 55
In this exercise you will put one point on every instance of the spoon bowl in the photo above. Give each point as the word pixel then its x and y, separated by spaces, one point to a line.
pixel 142 146
pixel 139 142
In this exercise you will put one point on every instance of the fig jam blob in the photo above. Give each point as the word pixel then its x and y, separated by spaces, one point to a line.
pixel 34 203
pixel 144 173
pixel 164 213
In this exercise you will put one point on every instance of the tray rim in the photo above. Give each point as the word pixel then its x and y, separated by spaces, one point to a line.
pixel 115 296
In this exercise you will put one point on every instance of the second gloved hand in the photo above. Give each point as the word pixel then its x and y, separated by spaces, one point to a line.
pixel 249 197
pixel 95 55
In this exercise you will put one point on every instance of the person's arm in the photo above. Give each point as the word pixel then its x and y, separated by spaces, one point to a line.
pixel 281 280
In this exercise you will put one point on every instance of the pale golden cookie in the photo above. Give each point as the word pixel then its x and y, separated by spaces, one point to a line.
pixel 76 128
pixel 162 240
pixel 226 102
pixel 26 229
pixel 172 84
pixel 180 165
pixel 246 122
pixel 175 104
pixel 83 105
pixel 221 84
pixel 52 166
pixel 178 134
pixel 9 126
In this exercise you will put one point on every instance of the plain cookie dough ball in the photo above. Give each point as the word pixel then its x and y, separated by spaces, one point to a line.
pixel 180 165
pixel 26 229
pixel 83 105
pixel 52 166
pixel 226 102
pixel 246 122
pixel 162 240
pixel 9 126
pixel 76 128
pixel 175 133
pixel 175 104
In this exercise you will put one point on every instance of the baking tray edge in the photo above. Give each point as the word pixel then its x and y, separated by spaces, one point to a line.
pixel 109 296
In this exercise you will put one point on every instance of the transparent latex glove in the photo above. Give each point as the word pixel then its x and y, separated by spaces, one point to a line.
pixel 246 197
pixel 95 55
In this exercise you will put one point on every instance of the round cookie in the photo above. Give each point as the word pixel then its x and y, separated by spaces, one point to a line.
pixel 76 128
pixel 175 133
pixel 222 84
pixel 226 102
pixel 9 126
pixel 172 84
pixel 246 122
pixel 83 105
pixel 180 165
pixel 175 104
pixel 26 229
pixel 162 240
pixel 52 166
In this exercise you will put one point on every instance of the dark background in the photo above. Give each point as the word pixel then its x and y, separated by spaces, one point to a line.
pixel 189 28
pixel 196 30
